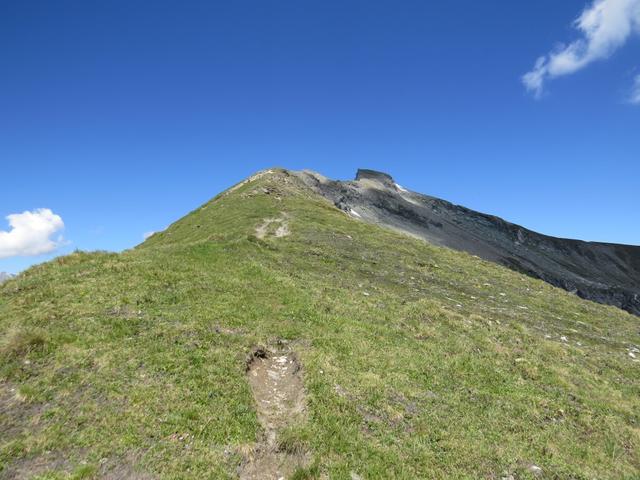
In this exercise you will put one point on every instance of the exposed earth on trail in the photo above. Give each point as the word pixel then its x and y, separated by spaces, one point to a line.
pixel 275 377
pixel 277 227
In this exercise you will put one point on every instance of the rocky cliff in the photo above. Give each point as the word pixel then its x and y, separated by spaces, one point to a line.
pixel 603 272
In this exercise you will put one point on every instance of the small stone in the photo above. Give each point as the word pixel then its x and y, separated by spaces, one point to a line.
pixel 535 470
pixel 564 339
pixel 366 294
pixel 355 476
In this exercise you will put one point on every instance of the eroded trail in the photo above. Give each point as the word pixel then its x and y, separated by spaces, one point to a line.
pixel 277 227
pixel 276 381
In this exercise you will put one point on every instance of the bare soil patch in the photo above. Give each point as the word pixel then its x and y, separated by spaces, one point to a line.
pixel 26 468
pixel 277 227
pixel 275 377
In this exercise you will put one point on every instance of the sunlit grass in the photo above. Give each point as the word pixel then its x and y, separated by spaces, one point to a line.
pixel 419 362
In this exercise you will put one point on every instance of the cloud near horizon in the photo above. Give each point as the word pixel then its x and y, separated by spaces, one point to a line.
pixel 31 233
pixel 606 25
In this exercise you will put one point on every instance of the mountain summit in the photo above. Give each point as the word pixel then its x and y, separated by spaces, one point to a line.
pixel 603 272
pixel 268 334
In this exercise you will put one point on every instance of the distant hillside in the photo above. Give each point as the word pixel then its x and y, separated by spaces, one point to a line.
pixel 267 335
pixel 5 276
pixel 604 272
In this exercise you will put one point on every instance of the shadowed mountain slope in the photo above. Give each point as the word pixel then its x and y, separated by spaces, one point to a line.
pixel 267 334
pixel 603 272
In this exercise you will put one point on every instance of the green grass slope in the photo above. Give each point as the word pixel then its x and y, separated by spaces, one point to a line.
pixel 418 361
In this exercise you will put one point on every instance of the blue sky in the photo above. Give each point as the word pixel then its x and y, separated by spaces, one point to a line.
pixel 122 116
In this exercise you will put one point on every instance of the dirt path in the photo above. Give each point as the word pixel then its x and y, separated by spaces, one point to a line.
pixel 281 230
pixel 276 381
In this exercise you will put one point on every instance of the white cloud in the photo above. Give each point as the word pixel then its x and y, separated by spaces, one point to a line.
pixel 605 25
pixel 31 233
pixel 146 235
pixel 534 80
pixel 635 92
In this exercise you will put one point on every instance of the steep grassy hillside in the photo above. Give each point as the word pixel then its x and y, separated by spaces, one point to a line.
pixel 416 361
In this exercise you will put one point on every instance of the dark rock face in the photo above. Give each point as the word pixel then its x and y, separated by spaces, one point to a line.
pixel 383 178
pixel 603 272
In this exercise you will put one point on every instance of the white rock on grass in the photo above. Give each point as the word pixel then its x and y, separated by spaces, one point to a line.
pixel 535 470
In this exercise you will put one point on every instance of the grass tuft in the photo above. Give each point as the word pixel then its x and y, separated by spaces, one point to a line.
pixel 19 343
pixel 294 440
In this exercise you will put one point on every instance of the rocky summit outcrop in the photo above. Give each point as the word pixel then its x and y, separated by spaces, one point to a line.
pixel 603 272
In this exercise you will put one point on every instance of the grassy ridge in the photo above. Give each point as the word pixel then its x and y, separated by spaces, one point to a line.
pixel 419 362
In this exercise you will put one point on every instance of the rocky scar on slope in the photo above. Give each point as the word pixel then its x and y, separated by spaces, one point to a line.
pixel 603 272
